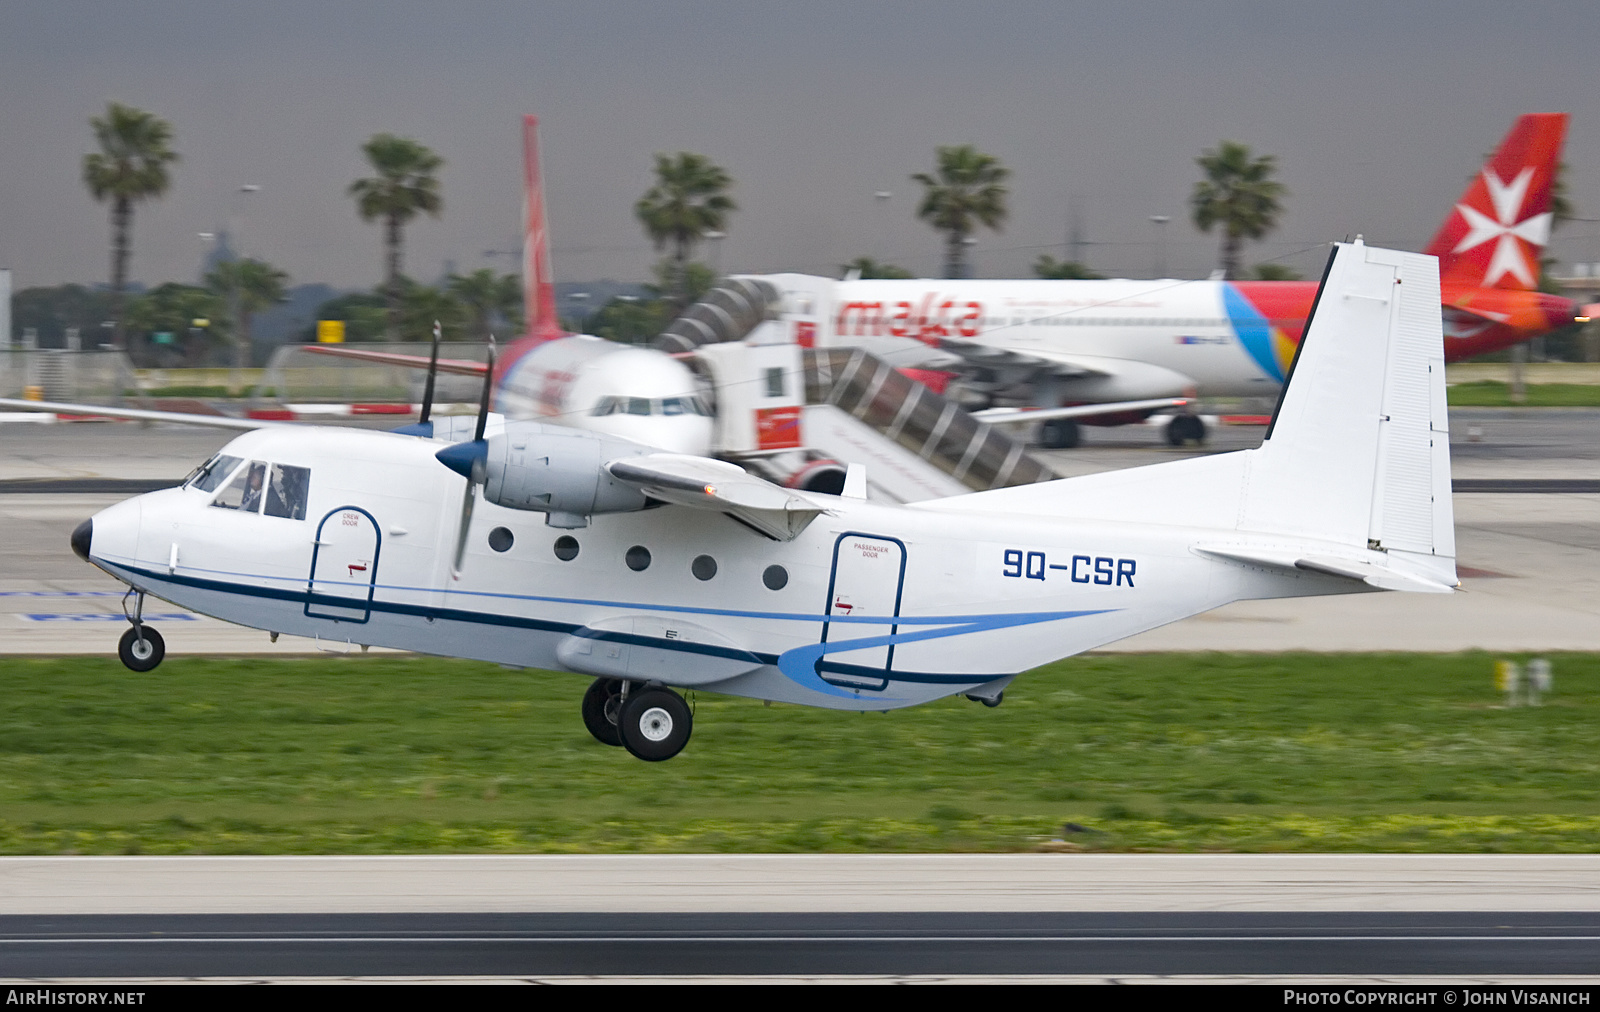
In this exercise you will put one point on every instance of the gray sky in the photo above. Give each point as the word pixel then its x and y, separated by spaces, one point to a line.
pixel 1377 112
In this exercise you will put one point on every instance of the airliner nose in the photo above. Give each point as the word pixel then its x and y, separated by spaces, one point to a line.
pixel 82 535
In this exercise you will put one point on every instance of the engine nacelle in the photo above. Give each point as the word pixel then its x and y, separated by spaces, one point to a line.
pixel 549 469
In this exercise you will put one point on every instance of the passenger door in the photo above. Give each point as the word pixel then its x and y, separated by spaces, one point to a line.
pixel 868 576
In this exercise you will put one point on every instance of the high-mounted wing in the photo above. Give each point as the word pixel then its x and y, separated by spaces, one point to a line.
pixel 703 483
pixel 460 367
pixel 140 415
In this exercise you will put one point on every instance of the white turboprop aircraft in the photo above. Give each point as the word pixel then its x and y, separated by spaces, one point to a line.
pixel 652 571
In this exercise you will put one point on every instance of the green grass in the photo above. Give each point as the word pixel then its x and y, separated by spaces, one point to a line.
pixel 1494 394
pixel 1389 752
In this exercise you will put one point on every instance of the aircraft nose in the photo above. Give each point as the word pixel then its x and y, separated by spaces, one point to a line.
pixel 82 535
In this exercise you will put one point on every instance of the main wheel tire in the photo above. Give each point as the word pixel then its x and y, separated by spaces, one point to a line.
pixel 600 706
pixel 655 724
pixel 141 653
pixel 1184 429
pixel 1058 434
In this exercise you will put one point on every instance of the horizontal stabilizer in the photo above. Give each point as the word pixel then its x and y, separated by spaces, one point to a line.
pixel 703 483
pixel 1374 571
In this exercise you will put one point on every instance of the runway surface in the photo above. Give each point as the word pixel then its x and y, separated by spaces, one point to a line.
pixel 798 945
pixel 931 917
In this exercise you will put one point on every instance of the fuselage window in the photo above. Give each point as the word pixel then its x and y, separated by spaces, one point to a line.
pixel 704 567
pixel 774 382
pixel 244 492
pixel 775 578
pixel 500 539
pixel 638 558
pixel 566 548
pixel 213 472
pixel 286 492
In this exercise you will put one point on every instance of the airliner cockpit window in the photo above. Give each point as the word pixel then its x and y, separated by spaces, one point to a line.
pixel 606 406
pixel 638 405
pixel 244 492
pixel 286 492
pixel 213 472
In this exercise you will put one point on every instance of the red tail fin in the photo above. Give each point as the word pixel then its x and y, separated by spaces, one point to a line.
pixel 1495 234
pixel 538 287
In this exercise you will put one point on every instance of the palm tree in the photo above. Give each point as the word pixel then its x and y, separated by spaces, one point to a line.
pixel 404 186
pixel 487 296
pixel 1239 194
pixel 248 286
pixel 868 268
pixel 1050 268
pixel 687 201
pixel 967 191
pixel 130 167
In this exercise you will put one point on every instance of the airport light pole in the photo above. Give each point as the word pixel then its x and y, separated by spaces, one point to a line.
pixel 1159 263
pixel 715 238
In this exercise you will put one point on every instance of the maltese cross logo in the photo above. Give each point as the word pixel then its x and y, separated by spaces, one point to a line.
pixel 1504 228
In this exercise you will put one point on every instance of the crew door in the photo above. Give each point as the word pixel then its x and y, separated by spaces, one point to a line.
pixel 868 577
pixel 344 566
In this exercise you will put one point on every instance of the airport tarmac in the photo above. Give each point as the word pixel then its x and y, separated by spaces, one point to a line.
pixel 1239 918
pixel 1530 563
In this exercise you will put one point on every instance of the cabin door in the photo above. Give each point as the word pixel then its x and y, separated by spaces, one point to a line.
pixel 868 577
pixel 344 566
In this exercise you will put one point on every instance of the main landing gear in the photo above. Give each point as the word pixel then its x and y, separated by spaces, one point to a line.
pixel 653 723
pixel 1184 429
pixel 141 647
pixel 1058 434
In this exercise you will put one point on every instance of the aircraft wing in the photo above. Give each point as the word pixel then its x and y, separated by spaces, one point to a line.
pixel 703 483
pixel 460 367
pixel 140 415
pixel 1013 416
pixel 1034 359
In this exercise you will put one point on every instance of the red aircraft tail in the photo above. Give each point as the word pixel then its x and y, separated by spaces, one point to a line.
pixel 1494 236
pixel 538 287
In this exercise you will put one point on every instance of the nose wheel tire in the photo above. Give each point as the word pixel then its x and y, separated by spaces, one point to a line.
pixel 601 704
pixel 655 724
pixel 141 648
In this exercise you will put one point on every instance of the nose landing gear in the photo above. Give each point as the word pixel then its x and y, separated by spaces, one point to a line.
pixel 141 647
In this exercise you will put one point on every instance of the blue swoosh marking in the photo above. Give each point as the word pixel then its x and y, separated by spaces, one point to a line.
pixel 799 664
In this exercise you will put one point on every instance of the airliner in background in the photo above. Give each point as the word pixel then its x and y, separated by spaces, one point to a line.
pixel 1119 341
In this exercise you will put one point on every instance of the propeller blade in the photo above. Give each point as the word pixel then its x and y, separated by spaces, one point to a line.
pixel 433 371
pixel 467 499
pixel 488 388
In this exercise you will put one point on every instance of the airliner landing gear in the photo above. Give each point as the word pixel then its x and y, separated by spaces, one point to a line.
pixel 1185 429
pixel 141 647
pixel 602 705
pixel 655 724
pixel 1058 434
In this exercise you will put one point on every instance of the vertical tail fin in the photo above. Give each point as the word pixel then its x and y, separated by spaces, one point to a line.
pixel 1493 237
pixel 538 286
pixel 1359 450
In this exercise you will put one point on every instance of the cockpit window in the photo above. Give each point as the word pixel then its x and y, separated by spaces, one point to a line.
pixel 672 406
pixel 606 406
pixel 213 472
pixel 245 490
pixel 638 405
pixel 646 406
pixel 286 492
